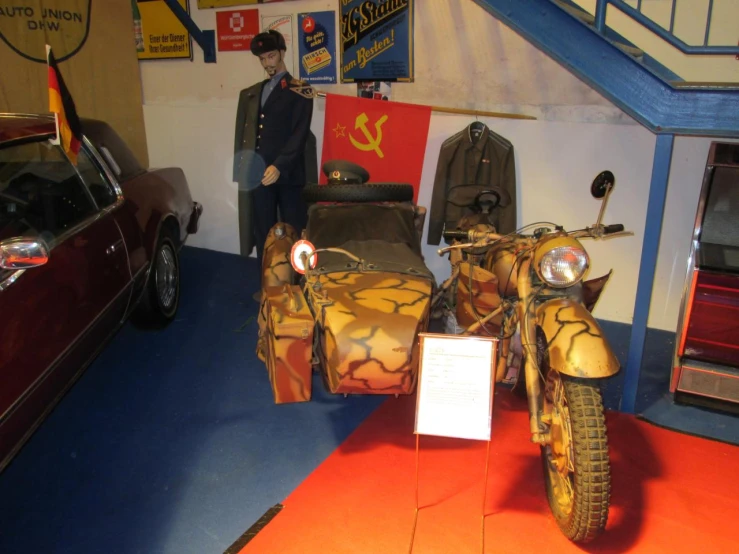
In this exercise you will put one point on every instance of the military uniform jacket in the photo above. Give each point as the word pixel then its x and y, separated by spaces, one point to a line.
pixel 485 162
pixel 275 134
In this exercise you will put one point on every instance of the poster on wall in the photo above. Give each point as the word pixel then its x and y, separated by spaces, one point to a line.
pixel 317 47
pixel 283 24
pixel 235 29
pixel 159 34
pixel 376 40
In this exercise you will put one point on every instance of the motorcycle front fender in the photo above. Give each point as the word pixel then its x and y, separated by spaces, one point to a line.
pixel 575 341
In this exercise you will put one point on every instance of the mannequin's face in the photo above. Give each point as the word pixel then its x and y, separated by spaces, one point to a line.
pixel 273 62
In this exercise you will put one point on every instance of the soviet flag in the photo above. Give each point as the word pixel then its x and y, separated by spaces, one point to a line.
pixel 387 138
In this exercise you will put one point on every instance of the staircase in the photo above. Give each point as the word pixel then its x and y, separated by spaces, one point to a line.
pixel 653 96
pixel 624 74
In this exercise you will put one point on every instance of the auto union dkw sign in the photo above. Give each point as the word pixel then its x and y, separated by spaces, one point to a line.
pixel 27 26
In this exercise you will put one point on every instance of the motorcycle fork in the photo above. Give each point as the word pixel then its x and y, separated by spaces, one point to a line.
pixel 527 321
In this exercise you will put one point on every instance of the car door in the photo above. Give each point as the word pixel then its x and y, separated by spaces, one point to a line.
pixel 54 316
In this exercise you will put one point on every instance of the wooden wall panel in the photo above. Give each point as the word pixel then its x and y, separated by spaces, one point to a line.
pixel 101 70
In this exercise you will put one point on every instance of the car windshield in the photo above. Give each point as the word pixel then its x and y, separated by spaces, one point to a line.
pixel 41 193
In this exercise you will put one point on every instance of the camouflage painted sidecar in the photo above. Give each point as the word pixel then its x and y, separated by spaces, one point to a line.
pixel 356 313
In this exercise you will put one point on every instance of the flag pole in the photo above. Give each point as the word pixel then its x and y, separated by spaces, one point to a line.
pixel 308 91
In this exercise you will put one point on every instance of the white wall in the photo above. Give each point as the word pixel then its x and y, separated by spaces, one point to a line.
pixel 190 108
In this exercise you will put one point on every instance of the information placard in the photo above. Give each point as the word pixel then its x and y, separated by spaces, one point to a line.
pixel 455 388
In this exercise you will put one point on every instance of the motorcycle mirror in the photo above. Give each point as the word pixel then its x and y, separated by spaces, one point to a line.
pixel 601 183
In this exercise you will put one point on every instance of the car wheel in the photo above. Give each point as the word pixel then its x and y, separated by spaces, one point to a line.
pixel 371 192
pixel 161 298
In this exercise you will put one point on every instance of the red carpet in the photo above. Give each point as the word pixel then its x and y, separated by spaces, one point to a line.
pixel 670 493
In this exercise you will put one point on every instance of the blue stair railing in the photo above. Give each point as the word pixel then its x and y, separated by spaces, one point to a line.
pixel 638 90
pixel 666 34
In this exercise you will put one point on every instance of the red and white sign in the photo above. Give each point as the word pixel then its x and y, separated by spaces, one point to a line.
pixel 309 24
pixel 236 28
pixel 300 248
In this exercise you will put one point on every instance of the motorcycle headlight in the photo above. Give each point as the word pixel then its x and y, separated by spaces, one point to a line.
pixel 563 263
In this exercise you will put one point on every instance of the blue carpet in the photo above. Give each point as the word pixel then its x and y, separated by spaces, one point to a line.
pixel 171 442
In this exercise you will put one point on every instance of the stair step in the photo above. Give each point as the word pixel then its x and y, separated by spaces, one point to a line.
pixel 577 12
pixel 706 84
pixel 588 18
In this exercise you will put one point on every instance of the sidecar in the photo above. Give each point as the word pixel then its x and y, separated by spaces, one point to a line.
pixel 355 312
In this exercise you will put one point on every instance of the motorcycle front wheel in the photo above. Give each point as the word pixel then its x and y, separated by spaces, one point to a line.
pixel 576 463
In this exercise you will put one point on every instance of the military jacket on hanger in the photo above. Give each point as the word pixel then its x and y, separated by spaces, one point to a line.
pixel 484 160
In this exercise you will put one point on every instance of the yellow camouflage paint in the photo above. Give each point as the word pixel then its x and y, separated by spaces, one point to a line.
pixel 576 343
pixel 502 260
pixel 276 272
pixel 369 323
pixel 288 343
pixel 276 267
pixel 485 297
pixel 285 341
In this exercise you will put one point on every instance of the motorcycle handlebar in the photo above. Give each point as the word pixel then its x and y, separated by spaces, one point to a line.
pixel 615 228
pixel 480 238
pixel 458 235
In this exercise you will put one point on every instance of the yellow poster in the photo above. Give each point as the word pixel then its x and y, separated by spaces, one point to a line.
pixel 159 34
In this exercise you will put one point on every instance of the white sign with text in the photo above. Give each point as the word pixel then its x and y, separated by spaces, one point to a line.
pixel 455 386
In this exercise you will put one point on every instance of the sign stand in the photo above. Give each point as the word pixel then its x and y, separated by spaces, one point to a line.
pixel 455 397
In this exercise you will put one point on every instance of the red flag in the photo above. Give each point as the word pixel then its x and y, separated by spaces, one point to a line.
pixel 387 138
pixel 68 127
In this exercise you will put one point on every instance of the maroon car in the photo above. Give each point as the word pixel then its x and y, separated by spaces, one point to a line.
pixel 82 247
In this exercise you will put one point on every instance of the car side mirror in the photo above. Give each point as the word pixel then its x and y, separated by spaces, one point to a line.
pixel 23 253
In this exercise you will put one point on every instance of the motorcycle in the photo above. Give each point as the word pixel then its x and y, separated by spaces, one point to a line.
pixel 530 285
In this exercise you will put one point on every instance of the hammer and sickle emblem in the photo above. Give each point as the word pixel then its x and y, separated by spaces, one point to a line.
pixel 373 143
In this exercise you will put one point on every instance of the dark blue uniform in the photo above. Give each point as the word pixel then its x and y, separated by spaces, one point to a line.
pixel 273 134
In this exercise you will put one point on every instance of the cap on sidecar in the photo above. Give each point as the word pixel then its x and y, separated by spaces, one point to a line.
pixel 344 172
pixel 267 42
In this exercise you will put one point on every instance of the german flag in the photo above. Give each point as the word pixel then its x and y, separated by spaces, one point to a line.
pixel 68 127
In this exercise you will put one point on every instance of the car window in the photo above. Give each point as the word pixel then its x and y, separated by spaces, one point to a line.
pixel 41 192
pixel 97 184
pixel 111 160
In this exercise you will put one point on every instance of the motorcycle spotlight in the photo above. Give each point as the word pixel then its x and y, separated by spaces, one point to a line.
pixel 561 262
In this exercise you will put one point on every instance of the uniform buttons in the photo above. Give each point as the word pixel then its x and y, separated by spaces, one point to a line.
pixel 261 126
pixel 262 116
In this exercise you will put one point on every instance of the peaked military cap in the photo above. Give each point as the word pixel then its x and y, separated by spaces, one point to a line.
pixel 342 171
